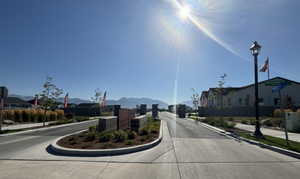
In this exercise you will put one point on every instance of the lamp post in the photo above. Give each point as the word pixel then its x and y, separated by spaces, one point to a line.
pixel 255 49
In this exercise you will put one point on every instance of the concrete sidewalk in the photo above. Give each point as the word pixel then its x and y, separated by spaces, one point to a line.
pixel 24 126
pixel 270 132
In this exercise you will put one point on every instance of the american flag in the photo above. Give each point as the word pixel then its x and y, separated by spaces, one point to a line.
pixel 266 66
pixel 66 99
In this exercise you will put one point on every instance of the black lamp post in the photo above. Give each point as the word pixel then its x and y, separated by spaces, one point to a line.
pixel 255 49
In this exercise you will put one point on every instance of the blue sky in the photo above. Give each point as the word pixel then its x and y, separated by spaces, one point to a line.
pixel 138 48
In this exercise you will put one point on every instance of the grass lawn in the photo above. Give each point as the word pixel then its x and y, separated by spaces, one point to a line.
pixel 274 141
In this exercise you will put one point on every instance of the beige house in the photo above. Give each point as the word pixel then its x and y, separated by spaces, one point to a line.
pixel 244 96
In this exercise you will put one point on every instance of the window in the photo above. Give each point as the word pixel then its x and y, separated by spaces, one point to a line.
pixel 247 100
pixel 276 101
pixel 261 101
pixel 240 101
pixel 229 101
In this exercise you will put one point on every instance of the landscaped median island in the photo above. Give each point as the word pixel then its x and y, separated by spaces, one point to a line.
pixel 92 139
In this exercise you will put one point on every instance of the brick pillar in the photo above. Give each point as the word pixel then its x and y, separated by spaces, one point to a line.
pixel 155 111
pixel 143 109
pixel 116 113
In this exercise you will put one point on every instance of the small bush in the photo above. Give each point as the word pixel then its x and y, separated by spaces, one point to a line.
pixel 18 116
pixel 244 121
pixel 131 134
pixel 92 129
pixel 144 131
pixel 252 122
pixel 267 123
pixel 129 142
pixel 90 136
pixel 120 136
pixel 105 137
pixel 26 115
pixel 69 116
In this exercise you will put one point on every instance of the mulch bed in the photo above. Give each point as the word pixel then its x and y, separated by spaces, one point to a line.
pixel 79 141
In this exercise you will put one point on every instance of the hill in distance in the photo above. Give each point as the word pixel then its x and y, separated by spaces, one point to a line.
pixel 127 102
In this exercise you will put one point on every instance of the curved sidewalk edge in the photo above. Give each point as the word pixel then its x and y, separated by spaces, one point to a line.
pixel 104 152
pixel 270 147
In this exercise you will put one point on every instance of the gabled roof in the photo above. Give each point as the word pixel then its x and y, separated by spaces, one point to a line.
pixel 261 82
pixel 229 89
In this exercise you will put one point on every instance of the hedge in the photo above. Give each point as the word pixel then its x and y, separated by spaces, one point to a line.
pixel 32 115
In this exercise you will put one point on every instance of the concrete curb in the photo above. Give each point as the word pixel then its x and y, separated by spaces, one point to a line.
pixel 104 152
pixel 46 128
pixel 270 147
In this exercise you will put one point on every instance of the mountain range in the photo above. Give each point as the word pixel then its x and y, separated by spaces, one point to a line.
pixel 127 102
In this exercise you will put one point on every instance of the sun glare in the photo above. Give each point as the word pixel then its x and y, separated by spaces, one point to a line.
pixel 184 12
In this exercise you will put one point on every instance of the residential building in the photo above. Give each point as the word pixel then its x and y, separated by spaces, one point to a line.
pixel 239 101
pixel 244 96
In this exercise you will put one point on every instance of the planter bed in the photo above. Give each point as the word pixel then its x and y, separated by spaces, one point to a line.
pixel 91 139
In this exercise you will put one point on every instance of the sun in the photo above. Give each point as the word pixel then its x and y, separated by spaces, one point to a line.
pixel 184 12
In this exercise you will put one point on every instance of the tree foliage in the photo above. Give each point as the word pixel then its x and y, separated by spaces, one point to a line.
pixel 195 98
pixel 97 96
pixel 49 95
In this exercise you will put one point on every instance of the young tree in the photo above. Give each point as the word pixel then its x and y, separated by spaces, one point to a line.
pixel 97 98
pixel 220 89
pixel 195 98
pixel 49 96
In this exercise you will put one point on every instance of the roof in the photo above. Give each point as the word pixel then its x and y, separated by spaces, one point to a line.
pixel 277 77
pixel 229 89
pixel 204 94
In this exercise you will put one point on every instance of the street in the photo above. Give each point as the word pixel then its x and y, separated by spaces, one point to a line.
pixel 188 150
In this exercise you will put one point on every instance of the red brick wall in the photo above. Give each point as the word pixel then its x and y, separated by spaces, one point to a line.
pixel 125 116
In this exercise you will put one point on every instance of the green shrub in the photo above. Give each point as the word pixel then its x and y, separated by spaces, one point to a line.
pixel 252 122
pixel 144 131
pixel 92 129
pixel 90 136
pixel 120 136
pixel 69 116
pixel 131 134
pixel 129 142
pixel 267 123
pixel 244 121
pixel 105 137
pixel 18 116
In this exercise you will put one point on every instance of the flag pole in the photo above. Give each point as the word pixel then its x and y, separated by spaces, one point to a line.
pixel 268 68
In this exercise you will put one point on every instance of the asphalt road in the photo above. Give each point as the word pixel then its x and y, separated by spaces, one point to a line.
pixel 188 150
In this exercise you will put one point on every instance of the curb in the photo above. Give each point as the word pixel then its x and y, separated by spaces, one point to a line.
pixel 270 147
pixel 46 128
pixel 104 152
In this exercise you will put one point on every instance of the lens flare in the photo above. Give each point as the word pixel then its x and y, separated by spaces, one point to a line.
pixel 184 12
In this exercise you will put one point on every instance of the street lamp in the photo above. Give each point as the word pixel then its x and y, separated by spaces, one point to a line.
pixel 255 49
